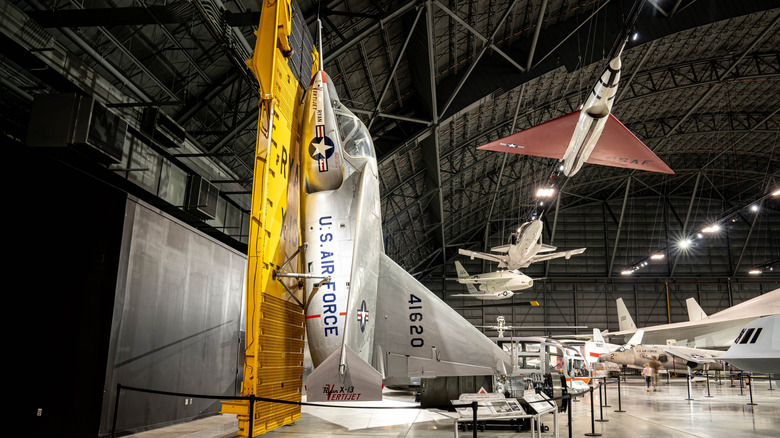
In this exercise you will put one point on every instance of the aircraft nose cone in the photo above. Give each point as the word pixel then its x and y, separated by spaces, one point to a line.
pixel 603 357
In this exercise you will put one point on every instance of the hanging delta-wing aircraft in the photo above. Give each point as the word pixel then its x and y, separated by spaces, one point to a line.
pixel 591 135
pixel 367 318
pixel 716 331
pixel 525 247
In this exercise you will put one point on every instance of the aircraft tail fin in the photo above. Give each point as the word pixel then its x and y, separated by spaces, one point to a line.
pixel 344 376
pixel 597 337
pixel 470 287
pixel 460 270
pixel 624 318
pixel 422 336
pixel 695 311
pixel 636 339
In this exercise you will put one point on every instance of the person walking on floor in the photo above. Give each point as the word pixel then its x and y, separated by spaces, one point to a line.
pixel 647 371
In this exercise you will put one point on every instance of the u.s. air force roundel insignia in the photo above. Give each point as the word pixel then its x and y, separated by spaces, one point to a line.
pixel 321 148
pixel 362 316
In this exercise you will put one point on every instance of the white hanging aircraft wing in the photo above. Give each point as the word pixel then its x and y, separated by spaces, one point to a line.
pixel 419 335
pixel 483 255
pixel 555 255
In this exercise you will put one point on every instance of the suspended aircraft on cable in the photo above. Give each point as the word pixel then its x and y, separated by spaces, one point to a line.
pixel 525 247
pixel 592 134
pixel 492 285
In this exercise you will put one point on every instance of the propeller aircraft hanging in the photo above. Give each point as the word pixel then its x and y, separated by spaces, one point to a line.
pixel 525 247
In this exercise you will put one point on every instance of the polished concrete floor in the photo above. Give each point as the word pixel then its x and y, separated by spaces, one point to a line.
pixel 665 413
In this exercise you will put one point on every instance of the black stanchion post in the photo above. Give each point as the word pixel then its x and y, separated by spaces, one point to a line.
pixel 568 412
pixel 620 406
pixel 474 418
pixel 116 409
pixel 770 382
pixel 707 373
pixel 750 384
pixel 601 406
pixel 605 394
pixel 592 417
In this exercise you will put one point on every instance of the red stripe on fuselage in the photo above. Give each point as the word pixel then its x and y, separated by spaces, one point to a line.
pixel 313 316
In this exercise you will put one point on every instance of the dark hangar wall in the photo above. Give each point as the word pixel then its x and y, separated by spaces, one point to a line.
pixel 117 292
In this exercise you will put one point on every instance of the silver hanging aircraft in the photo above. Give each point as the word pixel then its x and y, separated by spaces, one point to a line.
pixel 370 320
pixel 525 247
pixel 492 285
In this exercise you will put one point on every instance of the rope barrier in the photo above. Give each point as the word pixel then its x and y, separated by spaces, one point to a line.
pixel 252 399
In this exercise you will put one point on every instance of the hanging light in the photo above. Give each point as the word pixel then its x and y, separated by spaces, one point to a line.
pixel 658 256
pixel 714 228
pixel 754 272
pixel 544 192
pixel 685 243
pixel 627 272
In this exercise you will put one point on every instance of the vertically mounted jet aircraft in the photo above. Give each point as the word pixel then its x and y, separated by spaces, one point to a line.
pixel 592 134
pixel 525 247
pixel 370 320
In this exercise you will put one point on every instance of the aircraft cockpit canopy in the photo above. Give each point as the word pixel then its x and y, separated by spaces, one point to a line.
pixel 355 138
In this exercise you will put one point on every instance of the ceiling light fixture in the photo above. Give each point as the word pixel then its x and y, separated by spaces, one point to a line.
pixel 657 256
pixel 545 192
pixel 754 272
pixel 714 228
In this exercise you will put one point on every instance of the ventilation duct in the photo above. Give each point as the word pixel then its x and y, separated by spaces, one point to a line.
pixel 80 122
pixel 202 198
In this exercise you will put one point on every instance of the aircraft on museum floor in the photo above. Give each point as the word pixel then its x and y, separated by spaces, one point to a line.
pixel 716 331
pixel 370 320
pixel 594 348
pixel 592 134
pixel 492 285
pixel 757 348
pixel 671 357
pixel 525 247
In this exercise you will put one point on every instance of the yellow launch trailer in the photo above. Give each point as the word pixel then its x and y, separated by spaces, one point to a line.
pixel 274 321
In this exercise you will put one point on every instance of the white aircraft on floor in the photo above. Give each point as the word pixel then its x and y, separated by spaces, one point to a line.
pixel 370 320
pixel 716 331
pixel 492 285
pixel 525 247
pixel 757 348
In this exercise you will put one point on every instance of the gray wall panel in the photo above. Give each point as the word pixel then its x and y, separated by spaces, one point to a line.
pixel 177 321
